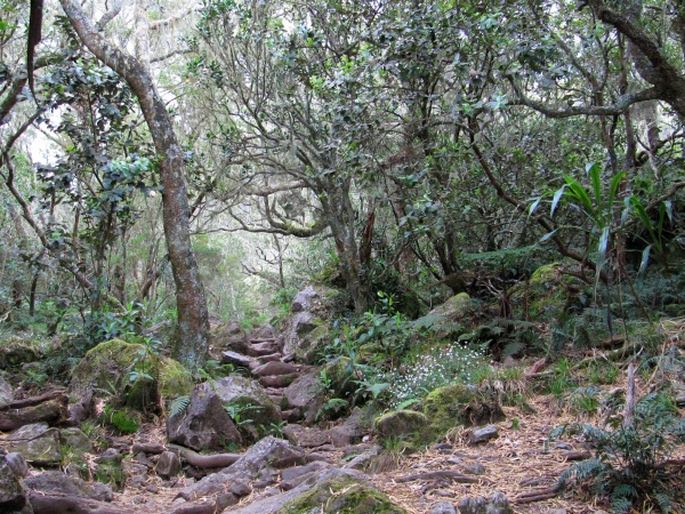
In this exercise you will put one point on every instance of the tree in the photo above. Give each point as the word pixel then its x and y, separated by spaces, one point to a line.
pixel 193 318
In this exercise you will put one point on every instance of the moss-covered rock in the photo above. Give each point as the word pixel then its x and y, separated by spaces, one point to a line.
pixel 400 423
pixel 342 496
pixel 174 379
pixel 129 374
pixel 339 376
pixel 458 404
pixel 15 351
pixel 547 295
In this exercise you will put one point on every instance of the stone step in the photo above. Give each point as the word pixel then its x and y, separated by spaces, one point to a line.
pixel 275 368
pixel 265 348
pixel 263 359
pixel 238 359
pixel 278 380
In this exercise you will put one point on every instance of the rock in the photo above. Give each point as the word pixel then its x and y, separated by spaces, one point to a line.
pixel 205 424
pixel 443 318
pixel 340 377
pixel 168 465
pixel 108 367
pixel 548 294
pixel 267 454
pixel 76 440
pixel 333 491
pixel 237 359
pixel 363 460
pixel 6 392
pixel 304 335
pixel 278 381
pixel 275 368
pixel 483 434
pixel 351 431
pixel 262 333
pixel 37 443
pixel 109 469
pixel 458 404
pixel 17 463
pixel 475 468
pixel 15 351
pixel 315 298
pixel 264 348
pixel 497 503
pixel 56 482
pixel 307 394
pixel 13 496
pixel 174 379
pixel 306 437
pixel 292 477
pixel 228 336
pixel 248 396
pixel 401 422
pixel 443 508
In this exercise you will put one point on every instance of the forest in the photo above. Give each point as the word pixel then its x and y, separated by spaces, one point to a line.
pixel 342 256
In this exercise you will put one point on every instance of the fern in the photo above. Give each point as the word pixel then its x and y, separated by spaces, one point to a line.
pixel 179 405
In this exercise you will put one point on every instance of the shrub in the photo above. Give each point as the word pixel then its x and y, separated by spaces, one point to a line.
pixel 443 366
pixel 629 465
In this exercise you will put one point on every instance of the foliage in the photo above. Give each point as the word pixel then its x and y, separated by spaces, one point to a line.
pixel 179 405
pixel 628 467
pixel 120 420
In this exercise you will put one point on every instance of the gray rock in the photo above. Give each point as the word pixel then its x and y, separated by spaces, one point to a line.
pixel 351 431
pixel 56 482
pixel 248 394
pixel 237 359
pixel 6 392
pixel 443 508
pixel 307 394
pixel 475 468
pixel 205 424
pixel 17 463
pixel 228 337
pixel 483 434
pixel 37 443
pixel 497 503
pixel 275 368
pixel 292 477
pixel 267 454
pixel 12 493
pixel 364 459
pixel 306 437
pixel 168 465
pixel 76 440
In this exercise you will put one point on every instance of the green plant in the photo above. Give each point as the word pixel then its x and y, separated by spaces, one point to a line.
pixel 120 420
pixel 179 405
pixel 629 466
pixel 585 400
pixel 601 372
pixel 333 408
pixel 561 381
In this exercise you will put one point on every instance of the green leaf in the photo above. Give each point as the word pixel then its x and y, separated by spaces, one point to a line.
pixel 594 171
pixel 614 186
pixel 555 200
pixel 533 206
pixel 579 194
pixel 603 244
pixel 644 261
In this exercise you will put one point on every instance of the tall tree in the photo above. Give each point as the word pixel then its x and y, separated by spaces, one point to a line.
pixel 191 303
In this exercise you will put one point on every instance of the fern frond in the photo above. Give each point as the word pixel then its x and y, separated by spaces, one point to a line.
pixel 179 405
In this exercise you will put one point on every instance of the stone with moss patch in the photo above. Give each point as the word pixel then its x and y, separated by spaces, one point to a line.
pixel 15 351
pixel 400 423
pixel 547 295
pixel 457 404
pixel 129 374
pixel 342 495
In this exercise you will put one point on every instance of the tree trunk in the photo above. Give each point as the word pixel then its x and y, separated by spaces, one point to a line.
pixel 191 303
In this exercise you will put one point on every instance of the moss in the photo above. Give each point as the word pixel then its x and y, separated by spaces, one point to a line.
pixel 16 351
pixel 340 377
pixel 342 496
pixel 401 422
pixel 458 404
pixel 174 379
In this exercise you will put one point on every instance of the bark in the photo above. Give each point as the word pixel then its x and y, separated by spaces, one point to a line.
pixel 191 303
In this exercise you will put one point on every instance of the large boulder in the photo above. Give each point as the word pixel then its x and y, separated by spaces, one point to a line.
pixel 547 295
pixel 449 317
pixel 13 496
pixel 331 491
pixel 205 424
pixel 307 330
pixel 246 398
pixel 228 336
pixel 129 374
